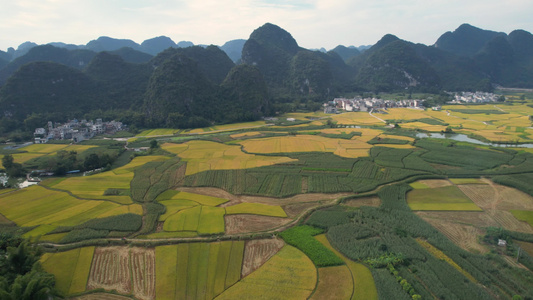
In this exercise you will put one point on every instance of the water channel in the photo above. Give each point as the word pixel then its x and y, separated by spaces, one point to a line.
pixel 464 138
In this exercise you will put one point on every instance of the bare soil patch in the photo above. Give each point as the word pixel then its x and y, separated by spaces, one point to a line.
pixel 101 296
pixel 509 222
pixel 365 201
pixel 465 236
pixel 215 192
pixel 252 223
pixel 143 271
pixel 436 183
pixel 495 196
pixel 110 270
pixel 257 252
pixel 126 270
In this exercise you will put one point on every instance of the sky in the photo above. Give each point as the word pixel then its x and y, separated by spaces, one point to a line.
pixel 313 23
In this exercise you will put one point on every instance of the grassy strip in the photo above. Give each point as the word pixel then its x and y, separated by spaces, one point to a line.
pixel 301 237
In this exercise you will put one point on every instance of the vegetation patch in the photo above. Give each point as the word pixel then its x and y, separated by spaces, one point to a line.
pixel 301 237
pixel 443 198
pixel 524 215
pixel 256 209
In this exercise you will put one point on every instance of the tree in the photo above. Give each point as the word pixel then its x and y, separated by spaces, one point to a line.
pixel 153 144
pixel 7 161
pixel 92 162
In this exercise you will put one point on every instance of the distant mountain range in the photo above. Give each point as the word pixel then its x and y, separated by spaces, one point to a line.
pixel 163 84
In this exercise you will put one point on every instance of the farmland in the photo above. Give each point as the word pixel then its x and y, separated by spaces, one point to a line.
pixel 309 209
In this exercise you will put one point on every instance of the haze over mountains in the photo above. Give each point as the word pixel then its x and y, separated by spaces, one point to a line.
pixel 163 84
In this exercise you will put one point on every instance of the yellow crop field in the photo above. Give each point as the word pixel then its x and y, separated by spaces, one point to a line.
pixel 157 132
pixel 245 134
pixel 356 118
pixel 441 198
pixel 204 155
pixel 364 287
pixel 211 220
pixel 404 114
pixel 137 162
pixel 44 148
pixel 290 274
pixel 172 207
pixel 256 209
pixel 440 255
pixel 39 230
pixel 36 205
pixel 311 143
pixel 200 199
pixel 228 127
pixel 424 126
pixel 94 186
pixel 305 116
pixel 79 148
pixel 184 220
pixel 70 268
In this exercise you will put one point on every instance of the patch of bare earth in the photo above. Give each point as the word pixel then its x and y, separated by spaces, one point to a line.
pixel 252 223
pixel 465 236
pixel 215 192
pixel 257 252
pixel 143 271
pixel 110 270
pixel 126 270
pixel 436 183
pixel 101 296
pixel 365 201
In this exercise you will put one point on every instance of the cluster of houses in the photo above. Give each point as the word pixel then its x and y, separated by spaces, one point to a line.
pixel 75 130
pixel 367 104
pixel 477 97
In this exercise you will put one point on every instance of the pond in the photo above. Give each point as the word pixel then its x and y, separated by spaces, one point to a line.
pixel 464 138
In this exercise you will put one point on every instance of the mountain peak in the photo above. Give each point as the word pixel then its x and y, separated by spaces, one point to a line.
pixel 275 36
pixel 466 40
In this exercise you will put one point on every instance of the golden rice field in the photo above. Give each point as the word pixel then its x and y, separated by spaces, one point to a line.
pixel 334 283
pixel 35 205
pixel 356 118
pixel 38 150
pixel 441 198
pixel 308 143
pixel 72 275
pixel 157 132
pixel 289 274
pixel 227 127
pixel 137 162
pixel 94 186
pixel 245 134
pixel 204 155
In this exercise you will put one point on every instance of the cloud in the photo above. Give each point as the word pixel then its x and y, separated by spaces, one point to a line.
pixel 313 23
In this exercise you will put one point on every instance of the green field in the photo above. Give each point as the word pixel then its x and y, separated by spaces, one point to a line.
pixel 442 198
pixel 466 181
pixel 256 209
pixel 524 215
pixel 197 270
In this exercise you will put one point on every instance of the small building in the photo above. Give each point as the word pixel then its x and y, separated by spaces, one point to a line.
pixel 502 243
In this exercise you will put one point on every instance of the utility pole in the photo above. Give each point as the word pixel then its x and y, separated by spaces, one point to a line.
pixel 518 255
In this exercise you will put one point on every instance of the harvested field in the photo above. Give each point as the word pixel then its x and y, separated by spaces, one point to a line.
pixel 440 198
pixel 257 252
pixel 509 222
pixel 495 196
pixel 111 269
pixel 473 218
pixel 143 272
pixel 464 236
pixel 334 283
pixel 256 209
pixel 252 223
pixel 365 201
pixel 435 183
pixel 101 296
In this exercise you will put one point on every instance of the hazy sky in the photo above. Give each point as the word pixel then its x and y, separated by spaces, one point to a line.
pixel 313 23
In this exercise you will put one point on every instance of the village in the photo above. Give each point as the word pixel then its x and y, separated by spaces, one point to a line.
pixel 75 130
pixel 367 104
pixel 477 97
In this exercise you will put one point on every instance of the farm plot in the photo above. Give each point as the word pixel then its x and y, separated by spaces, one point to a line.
pixel 128 271
pixel 257 252
pixel 204 155
pixel 252 223
pixel 94 186
pixel 362 281
pixel 524 215
pixel 443 198
pixel 256 209
pixel 70 268
pixel 308 143
pixel 137 162
pixel 38 150
pixel 157 132
pixel 197 270
pixel 356 118
pixel 334 283
pixel 227 127
pixel 287 275
pixel 36 205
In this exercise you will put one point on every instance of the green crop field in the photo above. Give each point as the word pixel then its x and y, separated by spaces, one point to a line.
pixel 524 215
pixel 256 209
pixel 442 198
pixel 211 220
pixel 184 220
